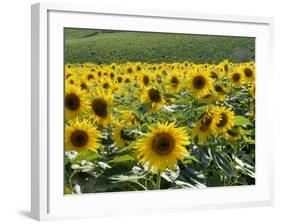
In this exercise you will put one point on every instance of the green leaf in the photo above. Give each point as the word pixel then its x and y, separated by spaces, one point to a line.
pixel 241 120
pixel 223 163
pixel 249 132
pixel 248 139
pixel 86 155
pixel 122 158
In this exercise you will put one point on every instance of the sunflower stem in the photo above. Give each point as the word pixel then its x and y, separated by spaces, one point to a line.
pixel 158 181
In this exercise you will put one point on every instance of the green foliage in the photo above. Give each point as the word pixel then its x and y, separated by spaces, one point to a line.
pixel 100 46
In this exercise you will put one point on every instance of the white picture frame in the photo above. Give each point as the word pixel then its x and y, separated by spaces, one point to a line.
pixel 48 201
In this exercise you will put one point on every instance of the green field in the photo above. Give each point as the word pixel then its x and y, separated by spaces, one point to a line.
pixel 105 47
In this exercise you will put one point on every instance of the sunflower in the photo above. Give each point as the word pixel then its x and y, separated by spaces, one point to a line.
pixel 70 81
pixel 153 98
pixel 145 78
pixel 220 91
pixel 84 83
pixel 121 136
pixel 68 74
pixel 81 136
pixel 130 118
pixel 225 65
pixel 249 73
pixel 130 68
pixel 100 106
pixel 75 102
pixel 199 83
pixel 226 121
pixel 90 77
pixel 174 80
pixel 107 84
pixel 208 99
pixel 119 79
pixel 216 72
pixel 127 79
pixel 233 135
pixel 112 75
pixel 236 77
pixel 162 147
pixel 206 126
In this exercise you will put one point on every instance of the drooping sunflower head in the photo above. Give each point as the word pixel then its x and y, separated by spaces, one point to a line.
pixel 216 72
pixel 206 126
pixel 226 120
pixel 162 147
pixel 68 73
pixel 100 106
pixel 233 134
pixel 122 135
pixel 208 99
pixel 199 83
pixel 153 97
pixel 220 91
pixel 81 136
pixel 75 102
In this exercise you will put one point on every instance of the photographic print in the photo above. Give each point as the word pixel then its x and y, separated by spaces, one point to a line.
pixel 152 111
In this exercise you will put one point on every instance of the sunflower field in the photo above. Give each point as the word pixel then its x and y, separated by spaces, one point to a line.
pixel 147 126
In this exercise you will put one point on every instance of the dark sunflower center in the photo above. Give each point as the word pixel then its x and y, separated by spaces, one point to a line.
pixel 223 121
pixel 154 95
pixel 129 70
pixel 112 75
pixel 138 68
pixel 127 80
pixel 79 138
pixel 145 80
pixel 205 123
pixel 99 107
pixel 68 75
pixel 236 77
pixel 106 85
pixel 71 82
pixel 199 82
pixel 163 143
pixel 119 79
pixel 83 86
pixel 90 77
pixel 248 72
pixel 174 81
pixel 72 101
